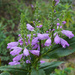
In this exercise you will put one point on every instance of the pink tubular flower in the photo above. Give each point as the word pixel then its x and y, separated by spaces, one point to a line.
pixel 41 61
pixel 28 61
pixel 68 33
pixel 14 63
pixel 35 52
pixel 58 24
pixel 61 41
pixel 20 41
pixel 43 36
pixel 57 18
pixel 18 57
pixel 26 52
pixel 57 1
pixel 34 41
pixel 12 44
pixel 57 39
pixel 35 46
pixel 16 51
pixel 48 42
pixel 30 28
pixel 64 22
pixel 64 43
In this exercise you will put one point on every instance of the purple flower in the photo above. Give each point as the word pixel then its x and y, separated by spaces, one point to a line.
pixel 16 51
pixel 29 36
pixel 47 31
pixel 57 39
pixel 58 24
pixel 54 10
pixel 41 61
pixel 34 41
pixel 48 42
pixel 57 27
pixel 18 57
pixel 57 18
pixel 68 33
pixel 64 43
pixel 35 52
pixel 14 63
pixel 61 41
pixel 30 28
pixel 39 26
pixel 38 21
pixel 43 36
pixel 28 61
pixel 26 52
pixel 12 44
pixel 38 48
pixel 53 29
pixel 35 46
pixel 20 41
pixel 32 6
pixel 64 22
pixel 57 1
pixel 19 35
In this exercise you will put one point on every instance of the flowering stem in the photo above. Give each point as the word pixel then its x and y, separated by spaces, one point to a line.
pixel 52 21
pixel 40 46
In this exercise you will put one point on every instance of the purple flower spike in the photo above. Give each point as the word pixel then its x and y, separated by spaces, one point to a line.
pixel 12 44
pixel 16 51
pixel 48 42
pixel 64 22
pixel 68 33
pixel 57 39
pixel 26 52
pixel 43 36
pixel 17 58
pixel 64 43
pixel 30 28
pixel 57 1
pixel 58 24
pixel 14 63
pixel 41 61
pixel 35 52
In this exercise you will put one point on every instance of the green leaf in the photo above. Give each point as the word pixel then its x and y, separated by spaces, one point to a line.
pixel 5 73
pixel 15 70
pixel 49 67
pixel 38 72
pixel 58 51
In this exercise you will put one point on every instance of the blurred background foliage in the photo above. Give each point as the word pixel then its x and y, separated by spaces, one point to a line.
pixel 10 11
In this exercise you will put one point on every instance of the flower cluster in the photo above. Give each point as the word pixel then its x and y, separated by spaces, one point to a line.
pixel 20 53
pixel 32 44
